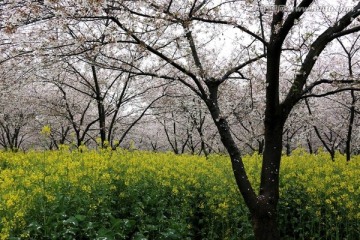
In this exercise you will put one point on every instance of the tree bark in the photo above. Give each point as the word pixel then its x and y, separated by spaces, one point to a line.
pixel 100 106
pixel 350 127
pixel 261 146
pixel 262 207
pixel 264 220
pixel 310 147
pixel 265 227
pixel 265 217
pixel 238 167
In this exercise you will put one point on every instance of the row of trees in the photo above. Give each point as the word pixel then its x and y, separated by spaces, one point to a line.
pixel 118 108
pixel 194 76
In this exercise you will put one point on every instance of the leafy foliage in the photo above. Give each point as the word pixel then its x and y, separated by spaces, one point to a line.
pixel 139 195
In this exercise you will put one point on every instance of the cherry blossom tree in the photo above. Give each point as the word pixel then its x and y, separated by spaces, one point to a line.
pixel 186 124
pixel 13 124
pixel 206 81
pixel 203 45
pixel 351 49
pixel 328 124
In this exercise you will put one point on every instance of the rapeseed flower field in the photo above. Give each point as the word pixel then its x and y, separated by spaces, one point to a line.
pixel 106 194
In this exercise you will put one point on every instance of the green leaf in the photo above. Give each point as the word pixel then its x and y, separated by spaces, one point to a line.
pixel 105 234
pixel 139 236
pixel 34 226
pixel 80 218
pixel 71 221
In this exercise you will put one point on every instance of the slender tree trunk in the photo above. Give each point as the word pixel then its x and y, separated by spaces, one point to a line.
pixel 102 119
pixel 238 168
pixel 100 106
pixel 317 132
pixel 309 144
pixel 350 54
pixel 288 149
pixel 350 127
pixel 202 142
pixel 332 154
pixel 261 144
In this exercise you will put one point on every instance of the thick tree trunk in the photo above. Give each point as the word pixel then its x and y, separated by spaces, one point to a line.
pixel 264 220
pixel 262 207
pixel 265 228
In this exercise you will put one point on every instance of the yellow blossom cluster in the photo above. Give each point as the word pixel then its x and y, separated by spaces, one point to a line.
pixel 33 184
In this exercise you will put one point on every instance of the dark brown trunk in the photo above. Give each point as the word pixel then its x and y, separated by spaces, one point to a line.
pixel 288 149
pixel 261 144
pixel 329 148
pixel 265 217
pixel 309 144
pixel 350 127
pixel 102 118
pixel 264 220
pixel 332 155
pixel 263 207
pixel 100 106
pixel 238 167
pixel 265 228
